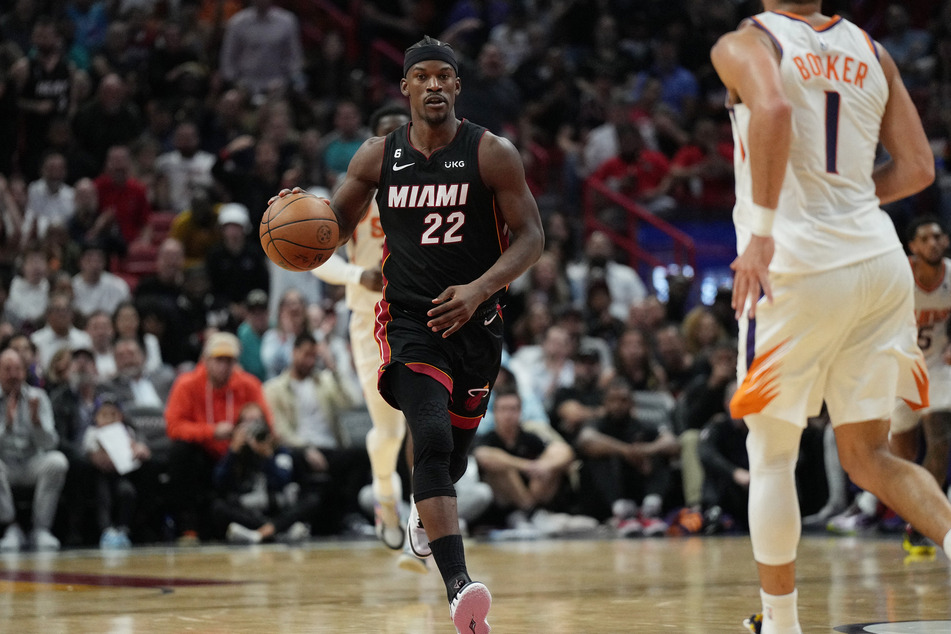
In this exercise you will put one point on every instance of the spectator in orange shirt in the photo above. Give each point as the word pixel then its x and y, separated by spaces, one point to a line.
pixel 200 418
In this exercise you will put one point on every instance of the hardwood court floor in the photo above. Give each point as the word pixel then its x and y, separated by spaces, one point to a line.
pixel 694 585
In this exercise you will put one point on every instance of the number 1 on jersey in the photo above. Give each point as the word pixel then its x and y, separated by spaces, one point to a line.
pixel 832 130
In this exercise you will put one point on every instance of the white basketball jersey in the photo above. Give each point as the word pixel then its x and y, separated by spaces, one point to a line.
pixel 932 309
pixel 828 214
pixel 364 251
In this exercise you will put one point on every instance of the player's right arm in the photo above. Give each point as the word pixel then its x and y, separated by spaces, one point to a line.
pixel 911 166
pixel 354 195
pixel 747 62
pixel 748 65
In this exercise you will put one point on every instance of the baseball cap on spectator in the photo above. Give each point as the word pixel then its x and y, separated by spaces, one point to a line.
pixel 256 299
pixel 222 344
pixel 234 213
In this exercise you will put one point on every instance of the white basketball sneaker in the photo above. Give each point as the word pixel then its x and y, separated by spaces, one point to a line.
pixel 416 534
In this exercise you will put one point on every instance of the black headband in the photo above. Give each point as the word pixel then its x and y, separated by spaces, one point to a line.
pixel 428 52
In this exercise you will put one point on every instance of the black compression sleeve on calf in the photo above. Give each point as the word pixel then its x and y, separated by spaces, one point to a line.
pixel 450 556
pixel 425 403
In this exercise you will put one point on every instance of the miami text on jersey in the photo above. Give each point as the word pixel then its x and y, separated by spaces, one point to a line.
pixel 404 196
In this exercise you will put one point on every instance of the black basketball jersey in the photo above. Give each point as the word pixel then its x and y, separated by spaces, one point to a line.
pixel 49 85
pixel 441 223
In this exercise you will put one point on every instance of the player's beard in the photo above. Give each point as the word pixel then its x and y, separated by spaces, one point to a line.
pixel 434 119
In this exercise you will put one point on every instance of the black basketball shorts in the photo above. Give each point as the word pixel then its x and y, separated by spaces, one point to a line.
pixel 466 363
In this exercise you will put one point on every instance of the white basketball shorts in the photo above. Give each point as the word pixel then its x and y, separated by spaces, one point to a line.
pixel 939 396
pixel 845 336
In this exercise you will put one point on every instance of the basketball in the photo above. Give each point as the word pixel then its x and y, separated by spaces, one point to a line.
pixel 299 232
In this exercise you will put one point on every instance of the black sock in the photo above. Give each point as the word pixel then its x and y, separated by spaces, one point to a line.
pixel 451 560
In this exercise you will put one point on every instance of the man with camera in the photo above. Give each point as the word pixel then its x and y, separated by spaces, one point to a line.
pixel 257 498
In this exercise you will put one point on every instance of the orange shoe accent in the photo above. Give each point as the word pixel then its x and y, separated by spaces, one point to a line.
pixel 759 386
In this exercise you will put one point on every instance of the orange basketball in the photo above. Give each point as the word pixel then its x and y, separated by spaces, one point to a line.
pixel 299 232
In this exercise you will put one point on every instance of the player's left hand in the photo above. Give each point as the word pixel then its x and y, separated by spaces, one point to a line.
pixel 751 274
pixel 454 307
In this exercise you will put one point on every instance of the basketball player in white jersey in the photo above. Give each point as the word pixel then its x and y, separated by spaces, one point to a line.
pixel 810 98
pixel 928 242
pixel 363 282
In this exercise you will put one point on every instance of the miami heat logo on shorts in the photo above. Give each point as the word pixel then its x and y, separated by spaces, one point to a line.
pixel 476 396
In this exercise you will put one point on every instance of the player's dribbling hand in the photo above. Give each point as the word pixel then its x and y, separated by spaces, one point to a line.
pixel 285 192
pixel 454 307
pixel 751 275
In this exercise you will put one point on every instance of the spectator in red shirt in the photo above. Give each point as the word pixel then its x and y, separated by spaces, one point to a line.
pixel 636 172
pixel 702 170
pixel 123 195
pixel 200 416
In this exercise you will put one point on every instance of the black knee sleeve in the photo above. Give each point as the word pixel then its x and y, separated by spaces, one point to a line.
pixel 459 458
pixel 425 404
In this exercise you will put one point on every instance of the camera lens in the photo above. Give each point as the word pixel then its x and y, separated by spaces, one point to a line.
pixel 259 431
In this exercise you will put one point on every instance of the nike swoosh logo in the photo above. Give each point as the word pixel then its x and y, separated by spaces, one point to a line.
pixel 490 319
pixel 397 168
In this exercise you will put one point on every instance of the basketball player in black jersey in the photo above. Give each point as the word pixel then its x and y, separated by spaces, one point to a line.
pixel 460 225
pixel 45 82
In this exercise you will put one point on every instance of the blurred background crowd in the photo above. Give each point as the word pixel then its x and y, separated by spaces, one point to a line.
pixel 139 143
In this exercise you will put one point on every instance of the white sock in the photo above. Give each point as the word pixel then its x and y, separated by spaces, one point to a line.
pixel 780 613
pixel 867 502
pixel 946 544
